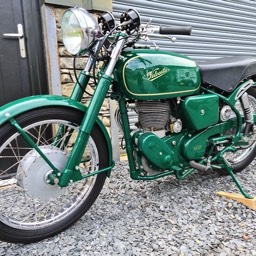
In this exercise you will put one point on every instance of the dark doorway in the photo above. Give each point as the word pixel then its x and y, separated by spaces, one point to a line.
pixel 22 65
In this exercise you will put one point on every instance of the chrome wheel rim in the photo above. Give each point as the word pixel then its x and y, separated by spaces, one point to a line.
pixel 22 208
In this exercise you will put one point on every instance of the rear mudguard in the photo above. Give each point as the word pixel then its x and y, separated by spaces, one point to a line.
pixel 15 108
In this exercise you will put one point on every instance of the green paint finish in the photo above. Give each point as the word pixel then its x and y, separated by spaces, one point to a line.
pixel 231 101
pixel 86 127
pixel 175 143
pixel 20 106
pixel 182 174
pixel 230 172
pixel 154 149
pixel 201 111
pixel 150 74
pixel 237 93
pixel 78 91
pixel 127 136
pixel 195 147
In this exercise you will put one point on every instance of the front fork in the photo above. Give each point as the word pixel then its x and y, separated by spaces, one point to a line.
pixel 71 171
pixel 72 166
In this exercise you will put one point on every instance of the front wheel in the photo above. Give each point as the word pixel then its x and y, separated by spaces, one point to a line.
pixel 30 208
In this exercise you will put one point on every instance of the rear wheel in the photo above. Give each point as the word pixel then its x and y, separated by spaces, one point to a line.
pixel 240 159
pixel 31 209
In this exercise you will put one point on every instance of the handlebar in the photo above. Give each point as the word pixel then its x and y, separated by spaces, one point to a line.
pixel 175 30
pixel 157 31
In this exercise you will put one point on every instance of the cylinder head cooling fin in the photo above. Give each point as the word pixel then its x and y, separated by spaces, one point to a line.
pixel 153 115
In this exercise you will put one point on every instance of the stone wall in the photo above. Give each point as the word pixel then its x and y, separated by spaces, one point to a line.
pixel 67 74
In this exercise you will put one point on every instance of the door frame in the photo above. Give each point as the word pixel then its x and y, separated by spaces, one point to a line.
pixel 35 46
pixel 51 49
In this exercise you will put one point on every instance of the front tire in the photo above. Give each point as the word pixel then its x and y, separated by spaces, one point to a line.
pixel 31 209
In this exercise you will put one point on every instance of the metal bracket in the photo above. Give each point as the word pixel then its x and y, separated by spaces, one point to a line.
pixel 20 36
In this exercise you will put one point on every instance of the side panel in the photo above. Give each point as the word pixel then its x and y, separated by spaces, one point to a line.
pixel 200 111
pixel 150 74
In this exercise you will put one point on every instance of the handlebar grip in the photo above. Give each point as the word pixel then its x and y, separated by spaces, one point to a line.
pixel 175 30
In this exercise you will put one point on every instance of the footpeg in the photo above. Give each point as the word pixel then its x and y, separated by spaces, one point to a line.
pixel 200 167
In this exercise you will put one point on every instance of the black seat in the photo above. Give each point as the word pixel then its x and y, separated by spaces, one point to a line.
pixel 226 73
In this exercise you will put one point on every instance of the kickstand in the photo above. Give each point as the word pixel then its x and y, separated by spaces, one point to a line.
pixel 230 172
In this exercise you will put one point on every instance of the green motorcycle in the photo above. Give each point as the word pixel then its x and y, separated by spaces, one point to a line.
pixel 55 153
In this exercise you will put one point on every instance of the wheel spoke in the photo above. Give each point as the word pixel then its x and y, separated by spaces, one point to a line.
pixel 8 169
pixel 41 133
pixel 39 138
pixel 63 140
pixel 27 206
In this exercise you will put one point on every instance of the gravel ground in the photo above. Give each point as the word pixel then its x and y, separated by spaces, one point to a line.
pixel 162 217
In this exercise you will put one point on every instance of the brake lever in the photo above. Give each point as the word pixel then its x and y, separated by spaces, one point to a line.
pixel 172 38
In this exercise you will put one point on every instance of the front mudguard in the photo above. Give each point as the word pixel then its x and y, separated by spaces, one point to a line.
pixel 15 108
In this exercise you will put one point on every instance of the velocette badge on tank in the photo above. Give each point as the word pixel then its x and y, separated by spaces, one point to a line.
pixel 156 73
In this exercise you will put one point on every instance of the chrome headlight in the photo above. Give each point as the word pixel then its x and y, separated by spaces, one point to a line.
pixel 78 28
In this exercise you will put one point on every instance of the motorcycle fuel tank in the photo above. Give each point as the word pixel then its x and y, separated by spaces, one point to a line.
pixel 145 74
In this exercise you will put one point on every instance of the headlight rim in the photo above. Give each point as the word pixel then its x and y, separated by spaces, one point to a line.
pixel 87 24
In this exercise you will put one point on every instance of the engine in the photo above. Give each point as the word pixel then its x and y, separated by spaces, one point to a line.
pixel 155 116
pixel 154 120
pixel 152 116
